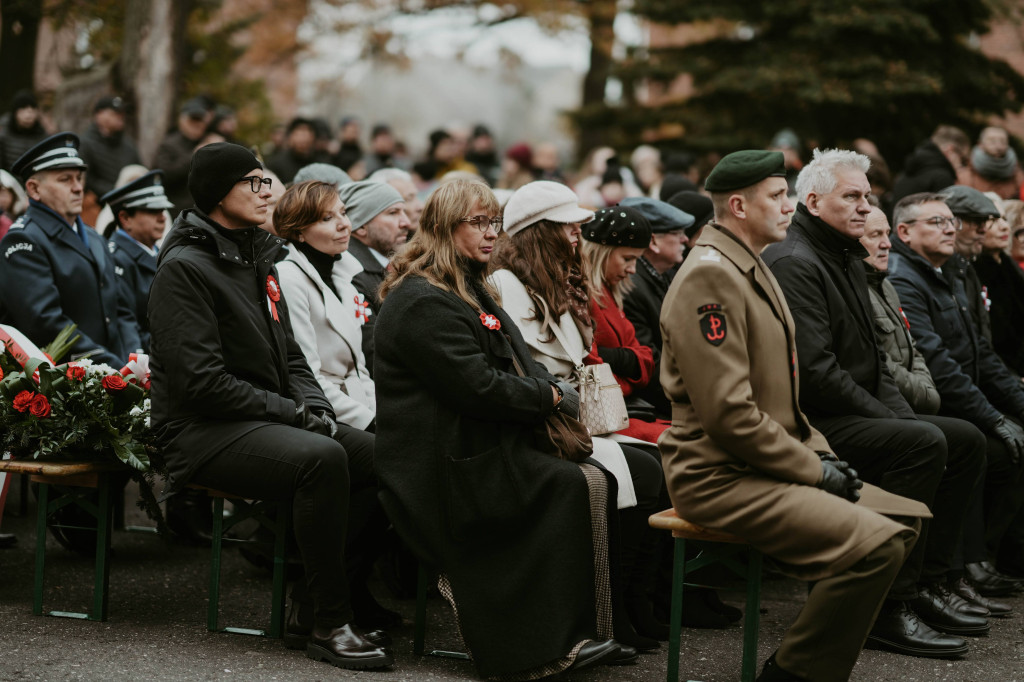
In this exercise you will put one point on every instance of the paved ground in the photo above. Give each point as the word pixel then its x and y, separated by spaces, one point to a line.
pixel 156 629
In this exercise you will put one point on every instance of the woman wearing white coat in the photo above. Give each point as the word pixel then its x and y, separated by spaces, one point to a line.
pixel 328 312
pixel 539 276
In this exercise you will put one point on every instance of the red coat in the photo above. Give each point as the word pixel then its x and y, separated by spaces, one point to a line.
pixel 613 330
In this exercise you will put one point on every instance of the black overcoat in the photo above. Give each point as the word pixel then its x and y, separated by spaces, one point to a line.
pixel 221 365
pixel 135 268
pixel 465 486
pixel 642 306
pixel 50 278
pixel 842 369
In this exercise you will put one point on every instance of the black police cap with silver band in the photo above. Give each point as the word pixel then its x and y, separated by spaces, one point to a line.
pixel 145 193
pixel 56 151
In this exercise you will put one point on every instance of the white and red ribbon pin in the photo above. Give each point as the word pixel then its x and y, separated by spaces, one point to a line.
pixel 273 296
pixel 363 311
pixel 490 321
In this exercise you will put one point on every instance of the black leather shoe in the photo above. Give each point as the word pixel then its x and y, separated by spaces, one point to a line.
pixel 940 610
pixel 991 569
pixel 347 647
pixel 988 584
pixel 7 540
pixel 772 672
pixel 899 630
pixel 300 622
pixel 627 655
pixel 595 652
pixel 969 594
pixel 960 604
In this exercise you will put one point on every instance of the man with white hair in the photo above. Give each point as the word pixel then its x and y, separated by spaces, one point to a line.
pixel 402 181
pixel 849 395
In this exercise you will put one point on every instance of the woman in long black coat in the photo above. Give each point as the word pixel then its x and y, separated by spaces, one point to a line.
pixel 519 537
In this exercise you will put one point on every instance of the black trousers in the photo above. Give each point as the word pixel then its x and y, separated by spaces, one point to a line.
pixel 277 462
pixel 913 458
pixel 997 509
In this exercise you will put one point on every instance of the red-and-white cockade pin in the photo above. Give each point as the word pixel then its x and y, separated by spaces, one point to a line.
pixel 363 311
pixel 490 321
pixel 273 295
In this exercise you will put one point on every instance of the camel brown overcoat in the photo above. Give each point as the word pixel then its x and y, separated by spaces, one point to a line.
pixel 740 456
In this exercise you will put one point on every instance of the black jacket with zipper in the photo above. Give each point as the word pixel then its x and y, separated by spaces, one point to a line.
pixel 221 364
pixel 842 369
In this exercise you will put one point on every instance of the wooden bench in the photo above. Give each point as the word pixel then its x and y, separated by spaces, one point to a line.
pixel 721 548
pixel 275 515
pixel 73 475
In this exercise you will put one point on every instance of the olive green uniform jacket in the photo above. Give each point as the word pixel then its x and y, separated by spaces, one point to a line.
pixel 740 456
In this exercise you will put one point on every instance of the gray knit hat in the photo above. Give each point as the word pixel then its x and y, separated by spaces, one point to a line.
pixel 366 200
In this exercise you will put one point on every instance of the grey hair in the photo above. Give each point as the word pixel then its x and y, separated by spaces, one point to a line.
pixel 389 174
pixel 909 206
pixel 819 176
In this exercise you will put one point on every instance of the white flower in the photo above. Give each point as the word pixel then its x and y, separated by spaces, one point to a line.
pixel 147 422
pixel 135 411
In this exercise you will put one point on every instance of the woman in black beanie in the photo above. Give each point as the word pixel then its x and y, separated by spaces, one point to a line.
pixel 235 406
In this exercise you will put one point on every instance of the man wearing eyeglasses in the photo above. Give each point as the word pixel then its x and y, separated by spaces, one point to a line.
pixel 973 382
pixel 850 396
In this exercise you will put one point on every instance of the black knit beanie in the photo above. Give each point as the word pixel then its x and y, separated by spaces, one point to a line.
pixel 215 170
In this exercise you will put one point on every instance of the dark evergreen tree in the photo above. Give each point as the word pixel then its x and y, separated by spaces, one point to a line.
pixel 889 70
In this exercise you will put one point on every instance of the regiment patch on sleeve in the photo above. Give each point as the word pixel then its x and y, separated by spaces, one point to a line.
pixel 709 307
pixel 713 328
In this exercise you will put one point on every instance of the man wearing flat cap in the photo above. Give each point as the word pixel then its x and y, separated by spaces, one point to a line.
pixel 977 214
pixel 741 457
pixel 654 270
pixel 55 269
pixel 849 395
pixel 380 226
pixel 138 208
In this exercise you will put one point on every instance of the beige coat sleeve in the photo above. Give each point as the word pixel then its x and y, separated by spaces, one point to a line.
pixel 717 379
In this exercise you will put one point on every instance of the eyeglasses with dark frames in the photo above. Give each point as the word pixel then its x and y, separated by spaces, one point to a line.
pixel 255 181
pixel 482 222
pixel 939 221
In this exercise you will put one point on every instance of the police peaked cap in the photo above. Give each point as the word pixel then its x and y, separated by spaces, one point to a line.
pixel 745 168
pixel 145 193
pixel 56 151
pixel 663 216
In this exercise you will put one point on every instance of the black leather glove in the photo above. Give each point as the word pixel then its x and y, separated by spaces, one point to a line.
pixel 570 402
pixel 1013 436
pixel 315 422
pixel 840 480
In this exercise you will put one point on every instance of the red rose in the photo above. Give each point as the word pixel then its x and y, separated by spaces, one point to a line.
pixel 1 372
pixel 40 406
pixel 76 373
pixel 114 383
pixel 23 400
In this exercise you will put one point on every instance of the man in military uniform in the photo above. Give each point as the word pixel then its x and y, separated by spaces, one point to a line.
pixel 55 269
pixel 138 209
pixel 741 457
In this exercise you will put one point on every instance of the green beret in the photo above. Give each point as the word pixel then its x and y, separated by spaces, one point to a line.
pixel 745 168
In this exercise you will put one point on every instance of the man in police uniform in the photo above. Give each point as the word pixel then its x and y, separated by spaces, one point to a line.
pixel 740 456
pixel 54 269
pixel 138 209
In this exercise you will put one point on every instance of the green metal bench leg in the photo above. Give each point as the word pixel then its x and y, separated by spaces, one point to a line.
pixel 420 624
pixel 752 618
pixel 104 520
pixel 676 617
pixel 218 534
pixel 280 569
pixel 43 497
